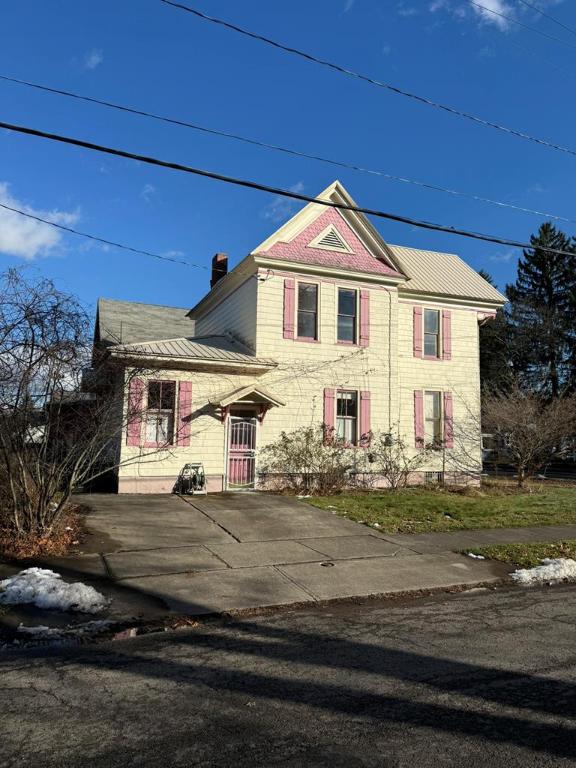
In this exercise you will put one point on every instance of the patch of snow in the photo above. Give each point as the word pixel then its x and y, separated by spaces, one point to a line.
pixel 77 630
pixel 304 497
pixel 376 525
pixel 552 570
pixel 476 557
pixel 45 589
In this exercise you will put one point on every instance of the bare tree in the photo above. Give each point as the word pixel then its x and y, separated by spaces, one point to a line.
pixel 532 430
pixel 57 430
pixel 393 460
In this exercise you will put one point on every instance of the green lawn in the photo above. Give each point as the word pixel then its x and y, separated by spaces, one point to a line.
pixel 528 555
pixel 419 510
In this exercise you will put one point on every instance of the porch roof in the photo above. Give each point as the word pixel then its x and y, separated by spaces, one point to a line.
pixel 254 393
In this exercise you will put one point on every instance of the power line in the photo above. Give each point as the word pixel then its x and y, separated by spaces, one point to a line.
pixel 99 239
pixel 371 80
pixel 278 148
pixel 547 16
pixel 274 190
pixel 521 24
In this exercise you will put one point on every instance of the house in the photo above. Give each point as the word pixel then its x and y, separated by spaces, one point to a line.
pixel 323 322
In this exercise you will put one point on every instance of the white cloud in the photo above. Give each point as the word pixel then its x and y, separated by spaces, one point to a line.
pixel 505 256
pixel 406 10
pixel 24 237
pixel 348 6
pixel 489 13
pixel 280 208
pixel 148 192
pixel 93 58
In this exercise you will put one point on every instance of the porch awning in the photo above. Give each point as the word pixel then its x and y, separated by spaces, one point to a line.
pixel 253 394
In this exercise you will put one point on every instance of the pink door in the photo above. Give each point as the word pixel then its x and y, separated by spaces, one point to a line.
pixel 242 453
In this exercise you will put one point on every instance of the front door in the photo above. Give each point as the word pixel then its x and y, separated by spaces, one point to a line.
pixel 241 452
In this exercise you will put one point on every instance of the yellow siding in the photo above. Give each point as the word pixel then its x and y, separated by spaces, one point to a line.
pixel 236 314
pixel 460 376
pixel 386 368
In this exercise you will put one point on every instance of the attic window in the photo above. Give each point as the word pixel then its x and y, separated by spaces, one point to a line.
pixel 330 240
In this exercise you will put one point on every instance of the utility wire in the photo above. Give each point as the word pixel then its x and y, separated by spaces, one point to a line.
pixel 372 81
pixel 521 24
pixel 278 148
pixel 274 190
pixel 548 16
pixel 99 239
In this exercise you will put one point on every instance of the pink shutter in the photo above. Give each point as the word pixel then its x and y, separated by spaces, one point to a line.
pixel 328 413
pixel 289 308
pixel 365 418
pixel 184 411
pixel 448 421
pixel 135 403
pixel 417 332
pixel 446 334
pixel 419 418
pixel 364 318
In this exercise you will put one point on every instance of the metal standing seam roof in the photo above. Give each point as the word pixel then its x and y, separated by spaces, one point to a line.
pixel 202 348
pixel 442 273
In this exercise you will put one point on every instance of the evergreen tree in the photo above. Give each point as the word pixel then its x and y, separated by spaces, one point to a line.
pixel 495 351
pixel 543 313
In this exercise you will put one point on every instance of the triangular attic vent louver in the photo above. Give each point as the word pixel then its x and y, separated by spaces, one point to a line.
pixel 331 240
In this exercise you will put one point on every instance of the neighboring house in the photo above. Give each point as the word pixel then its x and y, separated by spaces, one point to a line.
pixel 323 322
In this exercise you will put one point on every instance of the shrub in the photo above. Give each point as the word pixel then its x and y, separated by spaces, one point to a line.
pixel 308 460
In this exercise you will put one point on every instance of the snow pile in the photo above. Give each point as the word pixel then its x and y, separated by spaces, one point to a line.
pixel 45 589
pixel 552 570
pixel 475 556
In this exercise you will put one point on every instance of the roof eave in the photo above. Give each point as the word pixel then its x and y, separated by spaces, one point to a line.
pixel 195 363
pixel 268 262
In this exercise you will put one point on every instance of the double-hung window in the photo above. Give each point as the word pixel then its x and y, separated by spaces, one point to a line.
pixel 308 311
pixel 431 333
pixel 160 410
pixel 347 315
pixel 347 417
pixel 432 417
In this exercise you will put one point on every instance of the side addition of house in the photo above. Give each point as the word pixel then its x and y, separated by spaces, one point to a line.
pixel 323 323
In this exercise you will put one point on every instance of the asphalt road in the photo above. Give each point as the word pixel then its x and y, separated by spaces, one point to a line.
pixel 484 679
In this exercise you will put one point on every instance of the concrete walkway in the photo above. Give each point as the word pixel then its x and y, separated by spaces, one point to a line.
pixel 228 552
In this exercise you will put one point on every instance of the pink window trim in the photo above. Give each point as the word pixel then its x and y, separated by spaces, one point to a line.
pixel 365 427
pixel 329 412
pixel 289 307
pixel 448 420
pixel 419 418
pixel 308 340
pixel 417 340
pixel 364 338
pixel 135 402
pixel 446 334
pixel 184 413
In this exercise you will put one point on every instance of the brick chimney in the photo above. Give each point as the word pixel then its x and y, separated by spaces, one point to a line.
pixel 219 268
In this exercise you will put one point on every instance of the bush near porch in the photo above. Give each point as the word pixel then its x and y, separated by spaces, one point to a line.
pixel 423 510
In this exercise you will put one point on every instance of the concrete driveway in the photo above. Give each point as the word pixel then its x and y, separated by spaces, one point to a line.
pixel 238 551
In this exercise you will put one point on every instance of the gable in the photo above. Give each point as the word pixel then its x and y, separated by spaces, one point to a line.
pixel 331 237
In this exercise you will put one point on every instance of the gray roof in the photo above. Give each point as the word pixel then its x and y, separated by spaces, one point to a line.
pixel 127 322
pixel 442 273
pixel 216 349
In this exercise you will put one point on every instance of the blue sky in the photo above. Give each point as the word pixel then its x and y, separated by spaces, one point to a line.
pixel 147 55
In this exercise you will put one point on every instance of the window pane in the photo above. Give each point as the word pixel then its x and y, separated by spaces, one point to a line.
pixel 431 321
pixel 168 392
pixel 154 394
pixel 307 325
pixel 346 302
pixel 430 345
pixel 307 296
pixel 346 328
pixel 432 405
pixel 346 404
